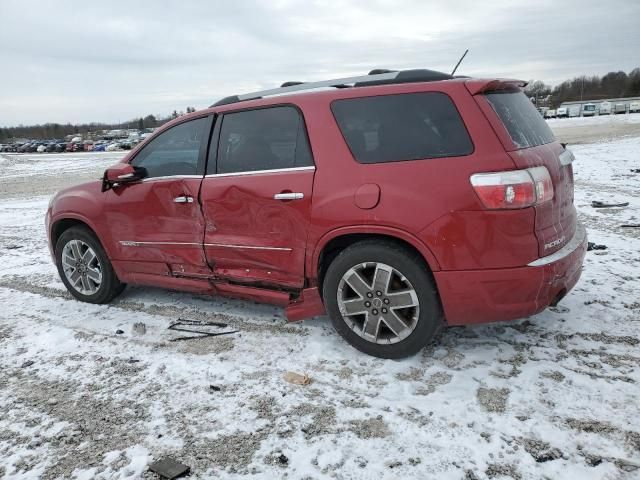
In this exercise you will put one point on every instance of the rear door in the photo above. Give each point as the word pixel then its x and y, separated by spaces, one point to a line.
pixel 531 143
pixel 256 196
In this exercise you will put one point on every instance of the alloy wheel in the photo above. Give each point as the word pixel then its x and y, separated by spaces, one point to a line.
pixel 378 303
pixel 81 267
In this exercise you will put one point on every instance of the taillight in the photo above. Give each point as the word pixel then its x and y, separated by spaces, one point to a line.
pixel 513 188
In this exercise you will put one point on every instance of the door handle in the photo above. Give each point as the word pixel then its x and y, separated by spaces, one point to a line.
pixel 289 196
pixel 183 199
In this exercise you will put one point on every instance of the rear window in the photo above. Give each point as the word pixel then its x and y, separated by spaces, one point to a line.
pixel 525 125
pixel 393 128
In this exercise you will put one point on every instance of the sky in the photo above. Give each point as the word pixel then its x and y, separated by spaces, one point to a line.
pixel 83 60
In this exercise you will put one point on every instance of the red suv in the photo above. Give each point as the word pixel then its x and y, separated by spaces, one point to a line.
pixel 397 202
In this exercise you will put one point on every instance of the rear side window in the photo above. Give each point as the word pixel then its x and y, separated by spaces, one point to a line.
pixel 394 128
pixel 525 125
pixel 264 139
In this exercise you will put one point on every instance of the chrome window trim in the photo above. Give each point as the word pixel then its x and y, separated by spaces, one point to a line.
pixel 261 172
pixel 170 177
pixel 577 240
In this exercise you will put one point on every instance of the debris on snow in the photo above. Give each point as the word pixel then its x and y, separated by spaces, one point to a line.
pixel 593 246
pixel 599 204
pixel 169 468
pixel 296 378
pixel 200 333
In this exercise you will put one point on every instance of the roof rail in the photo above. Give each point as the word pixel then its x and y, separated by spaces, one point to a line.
pixel 375 77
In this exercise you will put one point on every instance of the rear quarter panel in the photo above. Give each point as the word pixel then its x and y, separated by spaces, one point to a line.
pixel 430 200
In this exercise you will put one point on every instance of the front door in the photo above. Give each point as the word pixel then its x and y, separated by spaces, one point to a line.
pixel 256 197
pixel 156 224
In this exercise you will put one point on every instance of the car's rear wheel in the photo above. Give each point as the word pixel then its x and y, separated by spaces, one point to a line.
pixel 85 268
pixel 381 298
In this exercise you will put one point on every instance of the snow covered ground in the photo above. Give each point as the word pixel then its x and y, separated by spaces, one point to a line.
pixel 602 128
pixel 553 396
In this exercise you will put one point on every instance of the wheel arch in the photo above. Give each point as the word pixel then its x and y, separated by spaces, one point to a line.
pixel 64 222
pixel 332 243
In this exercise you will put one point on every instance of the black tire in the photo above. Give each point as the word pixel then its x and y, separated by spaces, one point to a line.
pixel 110 286
pixel 410 265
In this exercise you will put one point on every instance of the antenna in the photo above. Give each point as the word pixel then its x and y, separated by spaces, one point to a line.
pixel 460 61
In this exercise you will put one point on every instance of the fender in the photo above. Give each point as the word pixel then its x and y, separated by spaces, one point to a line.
pixel 84 203
pixel 421 247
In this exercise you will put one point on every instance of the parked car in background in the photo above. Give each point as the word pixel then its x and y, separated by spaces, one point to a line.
pixel 589 110
pixel 10 148
pixel 634 107
pixel 562 112
pixel 604 108
pixel 619 108
pixel 550 114
pixel 496 237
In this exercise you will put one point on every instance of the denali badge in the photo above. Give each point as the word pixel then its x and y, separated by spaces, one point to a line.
pixel 556 242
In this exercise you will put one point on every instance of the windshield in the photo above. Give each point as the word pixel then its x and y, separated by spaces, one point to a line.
pixel 525 125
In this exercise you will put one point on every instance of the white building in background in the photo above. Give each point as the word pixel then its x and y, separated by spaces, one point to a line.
pixel 604 106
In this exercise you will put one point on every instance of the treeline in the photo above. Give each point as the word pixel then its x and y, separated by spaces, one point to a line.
pixel 58 130
pixel 611 85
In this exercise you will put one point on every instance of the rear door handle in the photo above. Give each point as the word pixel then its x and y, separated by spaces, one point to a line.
pixel 183 199
pixel 289 196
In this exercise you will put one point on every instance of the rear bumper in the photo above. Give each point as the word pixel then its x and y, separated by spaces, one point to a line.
pixel 478 296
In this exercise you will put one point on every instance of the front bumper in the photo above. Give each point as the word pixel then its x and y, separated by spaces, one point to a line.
pixel 479 296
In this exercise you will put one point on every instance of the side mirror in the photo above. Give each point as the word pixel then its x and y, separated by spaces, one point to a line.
pixel 120 174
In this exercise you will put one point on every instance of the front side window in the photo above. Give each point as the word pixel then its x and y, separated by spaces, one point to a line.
pixel 263 139
pixel 409 126
pixel 173 152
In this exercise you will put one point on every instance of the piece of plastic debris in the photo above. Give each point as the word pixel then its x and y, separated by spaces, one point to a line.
pixel 297 378
pixel 599 204
pixel 169 468
pixel 119 332
pixel 177 326
pixel 635 170
pixel 28 363
pixel 593 246
pixel 630 225
pixel 214 388
pixel 283 459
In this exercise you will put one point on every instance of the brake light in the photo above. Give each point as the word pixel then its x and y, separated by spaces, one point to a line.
pixel 513 188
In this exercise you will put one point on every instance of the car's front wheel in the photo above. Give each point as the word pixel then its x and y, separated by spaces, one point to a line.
pixel 85 268
pixel 381 298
